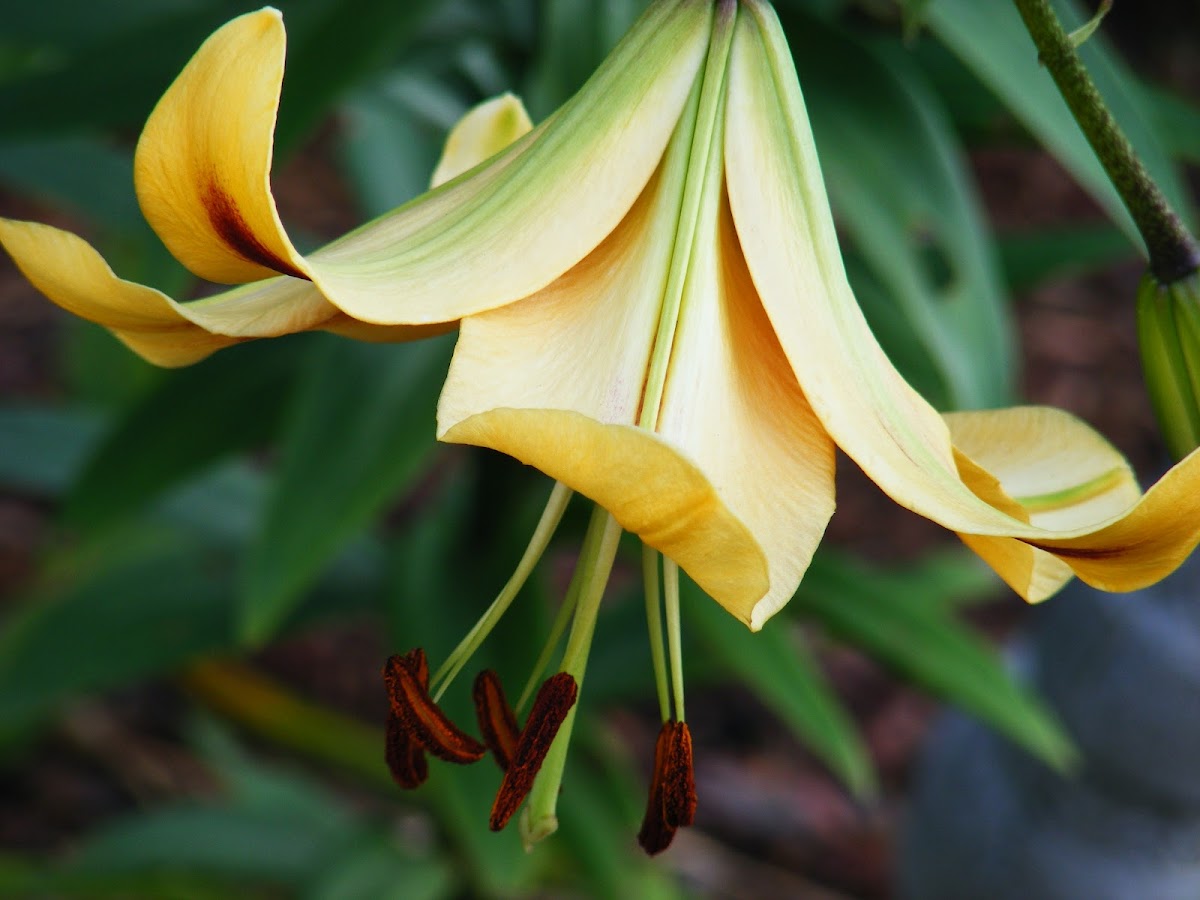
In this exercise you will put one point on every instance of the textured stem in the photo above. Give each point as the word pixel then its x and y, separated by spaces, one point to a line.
pixel 1174 253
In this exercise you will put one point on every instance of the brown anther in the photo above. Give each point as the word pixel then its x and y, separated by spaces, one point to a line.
pixel 405 758
pixel 497 722
pixel 407 681
pixel 672 803
pixel 554 700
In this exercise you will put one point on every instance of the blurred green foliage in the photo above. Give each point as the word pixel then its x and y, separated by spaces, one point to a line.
pixel 209 511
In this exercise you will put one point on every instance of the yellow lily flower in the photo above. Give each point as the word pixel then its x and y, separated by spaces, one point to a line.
pixel 653 311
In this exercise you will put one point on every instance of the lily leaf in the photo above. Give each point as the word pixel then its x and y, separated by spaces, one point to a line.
pixel 114 626
pixel 192 418
pixel 356 436
pixel 42 448
pixel 900 187
pixel 891 621
pixel 991 40
pixel 778 669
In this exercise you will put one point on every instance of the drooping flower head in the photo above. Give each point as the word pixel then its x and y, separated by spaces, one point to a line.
pixel 654 312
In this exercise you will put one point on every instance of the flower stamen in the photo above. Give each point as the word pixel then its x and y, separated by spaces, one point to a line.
pixel 672 803
pixel 407 679
pixel 550 708
pixel 497 721
pixel 405 757
pixel 551 516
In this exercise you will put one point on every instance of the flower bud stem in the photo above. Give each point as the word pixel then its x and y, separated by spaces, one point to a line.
pixel 1174 253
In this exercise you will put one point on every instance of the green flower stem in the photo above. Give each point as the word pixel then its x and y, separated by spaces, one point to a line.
pixel 539 819
pixel 558 627
pixel 674 638
pixel 1174 253
pixel 655 628
pixel 551 516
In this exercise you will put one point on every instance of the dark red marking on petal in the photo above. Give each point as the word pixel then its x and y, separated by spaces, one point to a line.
pixel 497 721
pixel 406 679
pixel 228 222
pixel 672 803
pixel 554 700
pixel 1081 552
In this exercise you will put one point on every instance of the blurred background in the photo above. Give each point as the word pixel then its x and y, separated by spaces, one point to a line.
pixel 202 570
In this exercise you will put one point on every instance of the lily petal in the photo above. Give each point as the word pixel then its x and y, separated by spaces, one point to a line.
pixel 484 241
pixel 786 230
pixel 484 131
pixel 556 381
pixel 1147 543
pixel 203 179
pixel 69 271
pixel 783 221
pixel 733 406
pixel 647 485
pixel 203 164
pixel 1044 466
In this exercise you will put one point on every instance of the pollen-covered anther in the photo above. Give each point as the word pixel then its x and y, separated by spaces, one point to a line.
pixel 672 803
pixel 497 721
pixel 554 700
pixel 405 757
pixel 407 681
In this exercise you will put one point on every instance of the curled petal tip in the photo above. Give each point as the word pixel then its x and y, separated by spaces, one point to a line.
pixel 203 163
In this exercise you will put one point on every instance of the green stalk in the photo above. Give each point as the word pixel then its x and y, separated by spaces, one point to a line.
pixel 1174 253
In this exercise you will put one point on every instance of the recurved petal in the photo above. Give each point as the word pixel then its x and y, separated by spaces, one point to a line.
pixel 70 272
pixel 67 270
pixel 1144 545
pixel 203 163
pixel 1044 466
pixel 483 132
pixel 786 231
pixel 647 485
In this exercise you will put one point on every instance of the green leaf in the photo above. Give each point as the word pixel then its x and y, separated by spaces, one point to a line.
pixel 43 448
pixel 1175 118
pixel 991 40
pixel 575 35
pixel 336 47
pixel 84 89
pixel 892 621
pixel 393 138
pixel 29 879
pixel 159 604
pixel 1031 257
pixel 67 23
pixel 781 672
pixel 85 174
pixel 376 868
pixel 899 184
pixel 597 819
pixel 228 842
pixel 191 419
pixel 360 430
